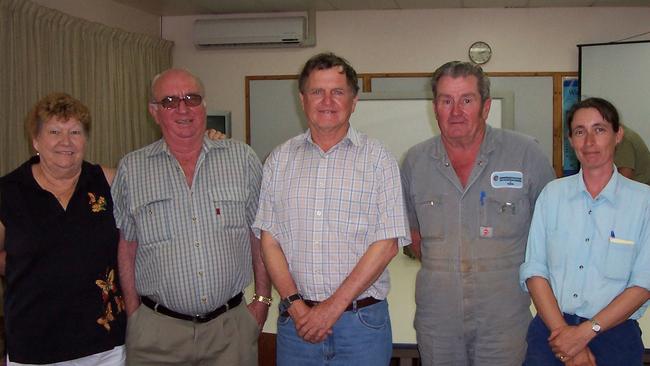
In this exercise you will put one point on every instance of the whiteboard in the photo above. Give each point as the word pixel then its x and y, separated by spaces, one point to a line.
pixel 275 114
pixel 401 123
pixel 619 73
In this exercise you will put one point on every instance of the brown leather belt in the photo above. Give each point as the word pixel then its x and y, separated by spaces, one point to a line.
pixel 193 318
pixel 367 301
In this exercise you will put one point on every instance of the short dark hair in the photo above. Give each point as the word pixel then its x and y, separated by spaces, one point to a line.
pixel 56 105
pixel 604 107
pixel 457 69
pixel 326 61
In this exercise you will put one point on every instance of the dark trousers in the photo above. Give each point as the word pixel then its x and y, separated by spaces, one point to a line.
pixel 618 346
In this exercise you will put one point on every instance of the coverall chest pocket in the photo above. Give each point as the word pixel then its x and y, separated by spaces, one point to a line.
pixel 431 216
pixel 505 215
pixel 229 208
pixel 152 221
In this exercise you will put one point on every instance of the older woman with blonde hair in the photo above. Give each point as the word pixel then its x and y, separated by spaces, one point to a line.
pixel 63 300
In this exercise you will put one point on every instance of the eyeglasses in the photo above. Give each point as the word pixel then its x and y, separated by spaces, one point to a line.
pixel 172 101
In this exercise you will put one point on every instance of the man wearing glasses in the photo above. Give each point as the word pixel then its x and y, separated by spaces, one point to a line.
pixel 184 206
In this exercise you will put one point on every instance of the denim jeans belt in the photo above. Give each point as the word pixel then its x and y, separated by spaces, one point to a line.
pixel 358 304
pixel 193 318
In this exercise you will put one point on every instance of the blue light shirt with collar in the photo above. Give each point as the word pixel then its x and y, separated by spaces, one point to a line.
pixel 326 208
pixel 590 249
pixel 193 242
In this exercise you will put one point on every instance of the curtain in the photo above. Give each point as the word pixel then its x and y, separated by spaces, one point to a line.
pixel 43 50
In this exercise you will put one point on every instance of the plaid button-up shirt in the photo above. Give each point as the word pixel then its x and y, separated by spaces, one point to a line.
pixel 193 242
pixel 326 209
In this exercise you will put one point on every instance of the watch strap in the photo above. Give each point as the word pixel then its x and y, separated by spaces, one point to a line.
pixel 285 303
pixel 263 299
pixel 295 297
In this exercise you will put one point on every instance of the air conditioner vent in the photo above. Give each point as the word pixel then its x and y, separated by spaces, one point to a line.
pixel 250 32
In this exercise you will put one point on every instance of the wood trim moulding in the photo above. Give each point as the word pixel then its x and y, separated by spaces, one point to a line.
pixel 271 77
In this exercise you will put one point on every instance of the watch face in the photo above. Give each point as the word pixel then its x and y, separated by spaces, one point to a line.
pixel 596 327
pixel 480 52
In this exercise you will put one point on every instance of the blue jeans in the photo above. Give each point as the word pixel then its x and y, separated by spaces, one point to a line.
pixel 361 337
pixel 618 346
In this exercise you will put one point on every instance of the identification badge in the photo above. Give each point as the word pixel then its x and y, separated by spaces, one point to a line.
pixel 485 231
pixel 507 179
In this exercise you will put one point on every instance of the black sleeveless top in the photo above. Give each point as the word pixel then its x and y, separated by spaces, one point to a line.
pixel 63 299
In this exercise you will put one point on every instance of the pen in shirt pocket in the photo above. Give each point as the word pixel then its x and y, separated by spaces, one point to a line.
pixel 615 240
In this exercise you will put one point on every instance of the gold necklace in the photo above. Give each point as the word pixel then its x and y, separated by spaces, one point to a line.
pixel 61 195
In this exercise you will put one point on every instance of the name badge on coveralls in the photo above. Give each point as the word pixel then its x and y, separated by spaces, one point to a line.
pixel 507 179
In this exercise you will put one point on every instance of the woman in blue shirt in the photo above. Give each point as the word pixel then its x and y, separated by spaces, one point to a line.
pixel 587 262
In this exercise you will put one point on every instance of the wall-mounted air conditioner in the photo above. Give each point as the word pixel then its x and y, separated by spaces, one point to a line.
pixel 251 32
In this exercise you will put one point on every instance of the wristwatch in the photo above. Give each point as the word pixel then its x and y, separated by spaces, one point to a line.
pixel 285 303
pixel 263 299
pixel 595 326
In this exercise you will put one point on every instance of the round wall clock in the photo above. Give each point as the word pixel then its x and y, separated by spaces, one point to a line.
pixel 480 52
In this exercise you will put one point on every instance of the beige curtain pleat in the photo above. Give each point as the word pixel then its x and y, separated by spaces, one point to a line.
pixel 43 50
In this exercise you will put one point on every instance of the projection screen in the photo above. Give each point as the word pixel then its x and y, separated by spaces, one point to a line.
pixel 620 73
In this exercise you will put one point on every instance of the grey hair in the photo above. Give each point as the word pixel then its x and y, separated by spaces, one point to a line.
pixel 457 69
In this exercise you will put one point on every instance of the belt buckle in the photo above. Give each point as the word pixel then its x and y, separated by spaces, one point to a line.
pixel 199 318
pixel 354 306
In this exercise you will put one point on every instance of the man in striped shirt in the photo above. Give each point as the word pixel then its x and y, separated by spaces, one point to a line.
pixel 184 206
pixel 331 218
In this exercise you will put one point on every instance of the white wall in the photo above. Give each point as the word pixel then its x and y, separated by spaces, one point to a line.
pixel 384 41
pixel 537 39
pixel 109 13
pixel 410 41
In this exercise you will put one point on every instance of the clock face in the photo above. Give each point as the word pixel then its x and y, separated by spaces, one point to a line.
pixel 480 52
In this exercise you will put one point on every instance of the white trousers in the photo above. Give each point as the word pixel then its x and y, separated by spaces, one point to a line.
pixel 112 357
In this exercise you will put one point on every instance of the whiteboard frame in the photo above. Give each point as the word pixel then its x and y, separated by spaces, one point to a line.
pixel 507 102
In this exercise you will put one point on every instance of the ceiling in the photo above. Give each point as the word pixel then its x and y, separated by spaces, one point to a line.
pixel 194 7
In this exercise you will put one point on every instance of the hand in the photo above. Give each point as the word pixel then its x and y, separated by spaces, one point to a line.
pixel 260 311
pixel 317 323
pixel 412 252
pixel 583 358
pixel 569 340
pixel 298 309
pixel 215 135
pixel 416 244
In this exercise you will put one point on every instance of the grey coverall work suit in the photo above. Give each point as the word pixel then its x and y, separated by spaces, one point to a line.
pixel 470 309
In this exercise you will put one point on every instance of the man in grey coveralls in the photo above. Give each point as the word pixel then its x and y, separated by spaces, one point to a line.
pixel 470 194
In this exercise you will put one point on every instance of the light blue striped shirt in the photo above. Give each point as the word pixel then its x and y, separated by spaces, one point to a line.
pixel 590 249
pixel 193 243
pixel 325 209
